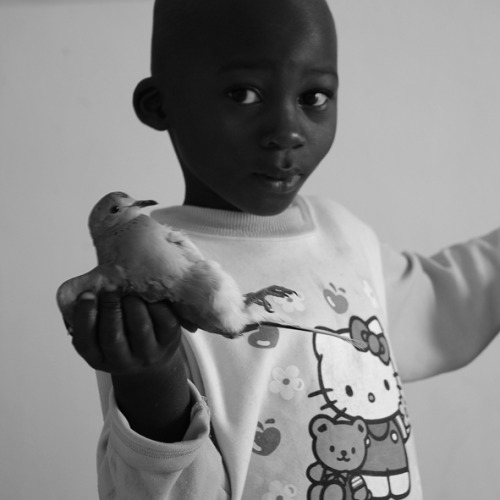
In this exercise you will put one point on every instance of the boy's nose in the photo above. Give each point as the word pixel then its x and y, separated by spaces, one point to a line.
pixel 283 140
pixel 283 132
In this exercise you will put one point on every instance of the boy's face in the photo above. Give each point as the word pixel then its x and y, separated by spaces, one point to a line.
pixel 252 111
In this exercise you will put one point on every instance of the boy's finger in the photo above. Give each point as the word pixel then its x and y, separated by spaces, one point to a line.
pixel 84 331
pixel 111 331
pixel 139 329
pixel 165 323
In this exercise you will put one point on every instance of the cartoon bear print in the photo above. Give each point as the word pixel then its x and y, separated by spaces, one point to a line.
pixel 373 394
pixel 340 450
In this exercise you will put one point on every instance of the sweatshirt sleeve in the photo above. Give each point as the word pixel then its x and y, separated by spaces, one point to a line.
pixel 132 467
pixel 445 309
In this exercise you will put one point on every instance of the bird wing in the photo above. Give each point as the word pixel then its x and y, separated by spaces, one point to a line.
pixel 190 250
pixel 154 257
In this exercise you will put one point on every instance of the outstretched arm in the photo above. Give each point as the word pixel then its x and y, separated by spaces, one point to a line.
pixel 443 310
pixel 155 442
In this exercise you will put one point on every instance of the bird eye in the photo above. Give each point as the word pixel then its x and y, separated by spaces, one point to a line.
pixel 114 209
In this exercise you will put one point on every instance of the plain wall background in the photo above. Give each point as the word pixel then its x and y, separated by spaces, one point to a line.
pixel 416 156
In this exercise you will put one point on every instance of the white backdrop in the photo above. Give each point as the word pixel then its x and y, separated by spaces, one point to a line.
pixel 416 156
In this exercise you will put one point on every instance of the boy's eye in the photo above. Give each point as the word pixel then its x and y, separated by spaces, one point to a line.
pixel 244 96
pixel 314 99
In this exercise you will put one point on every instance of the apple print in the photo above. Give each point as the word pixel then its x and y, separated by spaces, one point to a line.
pixel 267 439
pixel 336 299
pixel 266 337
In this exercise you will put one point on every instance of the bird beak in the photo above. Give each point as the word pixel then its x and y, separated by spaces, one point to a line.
pixel 144 203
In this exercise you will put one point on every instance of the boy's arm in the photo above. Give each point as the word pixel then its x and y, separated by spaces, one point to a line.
pixel 443 310
pixel 132 467
pixel 155 443
pixel 138 344
pixel 156 403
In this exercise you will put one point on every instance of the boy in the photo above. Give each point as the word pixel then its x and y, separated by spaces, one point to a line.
pixel 247 90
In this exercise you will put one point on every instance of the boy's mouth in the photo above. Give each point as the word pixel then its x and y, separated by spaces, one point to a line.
pixel 280 183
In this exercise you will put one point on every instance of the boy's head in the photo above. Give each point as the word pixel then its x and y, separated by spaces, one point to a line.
pixel 247 90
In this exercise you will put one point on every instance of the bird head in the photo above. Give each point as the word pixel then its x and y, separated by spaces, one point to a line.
pixel 113 210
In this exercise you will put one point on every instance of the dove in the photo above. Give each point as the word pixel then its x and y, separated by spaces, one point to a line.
pixel 138 255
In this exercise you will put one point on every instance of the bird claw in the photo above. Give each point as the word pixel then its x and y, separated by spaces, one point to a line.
pixel 260 297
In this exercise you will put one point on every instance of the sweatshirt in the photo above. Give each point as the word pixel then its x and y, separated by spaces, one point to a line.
pixel 281 413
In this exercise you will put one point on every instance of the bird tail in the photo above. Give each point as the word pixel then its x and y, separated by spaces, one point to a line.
pixel 210 298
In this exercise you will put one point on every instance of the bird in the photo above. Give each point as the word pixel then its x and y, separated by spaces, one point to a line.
pixel 139 256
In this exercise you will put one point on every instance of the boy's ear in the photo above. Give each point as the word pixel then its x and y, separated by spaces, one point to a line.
pixel 148 105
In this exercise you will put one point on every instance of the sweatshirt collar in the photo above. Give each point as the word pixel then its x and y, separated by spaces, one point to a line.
pixel 295 220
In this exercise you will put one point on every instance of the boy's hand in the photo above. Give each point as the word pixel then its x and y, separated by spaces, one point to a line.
pixel 124 335
pixel 138 344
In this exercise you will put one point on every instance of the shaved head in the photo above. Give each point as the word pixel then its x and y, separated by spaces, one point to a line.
pixel 246 83
pixel 186 29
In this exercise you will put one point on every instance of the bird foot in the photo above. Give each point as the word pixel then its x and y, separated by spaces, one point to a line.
pixel 260 297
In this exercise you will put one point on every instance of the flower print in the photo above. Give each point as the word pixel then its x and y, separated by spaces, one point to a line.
pixel 286 382
pixel 280 491
pixel 290 303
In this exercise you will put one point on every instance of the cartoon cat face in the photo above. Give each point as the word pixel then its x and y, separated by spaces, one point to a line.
pixel 339 446
pixel 358 383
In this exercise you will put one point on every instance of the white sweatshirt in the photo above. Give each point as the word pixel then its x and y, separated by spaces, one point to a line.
pixel 299 415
